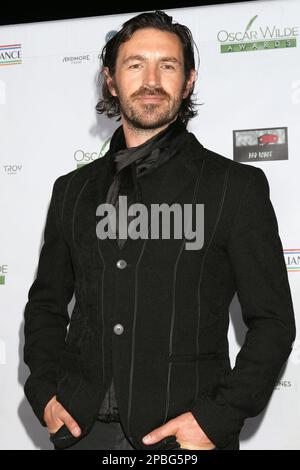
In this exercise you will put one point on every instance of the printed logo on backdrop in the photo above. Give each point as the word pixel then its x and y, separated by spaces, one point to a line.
pixel 78 59
pixel 3 272
pixel 256 37
pixel 12 169
pixel 284 385
pixel 10 54
pixel 260 144
pixel 85 58
pixel 292 259
pixel 82 158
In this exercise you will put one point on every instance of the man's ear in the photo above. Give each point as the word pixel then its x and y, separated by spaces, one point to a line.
pixel 189 83
pixel 109 81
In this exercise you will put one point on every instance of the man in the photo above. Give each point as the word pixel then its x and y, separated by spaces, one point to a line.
pixel 151 316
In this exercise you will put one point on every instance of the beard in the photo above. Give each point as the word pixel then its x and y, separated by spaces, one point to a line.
pixel 149 116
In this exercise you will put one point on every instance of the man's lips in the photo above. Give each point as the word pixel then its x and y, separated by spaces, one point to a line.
pixel 151 98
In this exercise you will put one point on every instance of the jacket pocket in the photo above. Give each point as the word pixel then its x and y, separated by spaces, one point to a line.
pixel 63 438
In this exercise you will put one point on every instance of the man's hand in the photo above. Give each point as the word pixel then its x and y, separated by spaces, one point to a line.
pixel 187 431
pixel 56 416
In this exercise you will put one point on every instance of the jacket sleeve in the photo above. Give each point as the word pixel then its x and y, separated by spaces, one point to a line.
pixel 256 255
pixel 46 315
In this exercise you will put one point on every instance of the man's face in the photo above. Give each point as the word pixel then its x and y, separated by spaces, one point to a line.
pixel 149 78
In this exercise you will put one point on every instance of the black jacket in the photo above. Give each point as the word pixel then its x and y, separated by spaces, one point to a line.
pixel 171 304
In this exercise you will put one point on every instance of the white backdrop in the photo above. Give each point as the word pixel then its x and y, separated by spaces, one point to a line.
pixel 48 126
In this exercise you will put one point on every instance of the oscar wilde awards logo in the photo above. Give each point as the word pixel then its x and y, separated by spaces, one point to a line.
pixel 256 37
pixel 82 158
pixel 3 272
pixel 260 144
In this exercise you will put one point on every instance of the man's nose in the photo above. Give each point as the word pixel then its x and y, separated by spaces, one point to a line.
pixel 151 76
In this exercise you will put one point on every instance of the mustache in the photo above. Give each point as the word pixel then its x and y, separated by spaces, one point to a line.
pixel 150 92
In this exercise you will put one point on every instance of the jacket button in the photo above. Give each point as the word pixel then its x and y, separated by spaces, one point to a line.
pixel 121 263
pixel 118 329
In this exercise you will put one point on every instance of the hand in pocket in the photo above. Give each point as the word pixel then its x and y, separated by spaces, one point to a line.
pixel 55 416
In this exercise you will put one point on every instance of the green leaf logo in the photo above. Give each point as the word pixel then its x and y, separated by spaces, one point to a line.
pixel 102 151
pixel 250 23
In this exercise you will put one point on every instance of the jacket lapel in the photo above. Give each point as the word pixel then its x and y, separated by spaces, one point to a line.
pixel 97 189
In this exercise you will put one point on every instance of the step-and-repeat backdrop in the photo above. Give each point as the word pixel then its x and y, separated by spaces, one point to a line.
pixel 249 87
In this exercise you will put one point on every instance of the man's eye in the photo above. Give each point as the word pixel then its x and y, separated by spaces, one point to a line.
pixel 169 67
pixel 135 66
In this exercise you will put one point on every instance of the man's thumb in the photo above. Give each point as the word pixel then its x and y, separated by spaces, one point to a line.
pixel 72 425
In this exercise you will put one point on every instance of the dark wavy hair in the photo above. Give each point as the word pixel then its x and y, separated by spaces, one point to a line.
pixel 108 103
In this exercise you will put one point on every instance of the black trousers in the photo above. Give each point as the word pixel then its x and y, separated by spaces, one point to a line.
pixel 103 436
